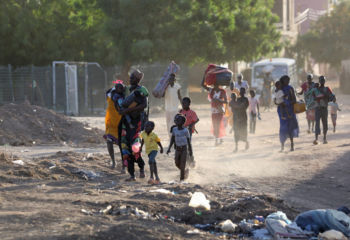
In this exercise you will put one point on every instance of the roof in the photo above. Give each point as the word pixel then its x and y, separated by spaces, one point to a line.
pixel 288 61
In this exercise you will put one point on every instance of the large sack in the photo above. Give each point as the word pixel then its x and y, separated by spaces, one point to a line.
pixel 163 83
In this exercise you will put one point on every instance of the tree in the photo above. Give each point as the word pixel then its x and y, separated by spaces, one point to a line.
pixel 188 30
pixel 127 32
pixel 328 41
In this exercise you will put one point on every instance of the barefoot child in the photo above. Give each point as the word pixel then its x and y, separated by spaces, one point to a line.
pixel 334 109
pixel 181 137
pixel 152 141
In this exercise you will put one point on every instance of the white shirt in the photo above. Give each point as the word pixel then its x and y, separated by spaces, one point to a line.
pixel 253 102
pixel 279 96
pixel 171 98
pixel 244 84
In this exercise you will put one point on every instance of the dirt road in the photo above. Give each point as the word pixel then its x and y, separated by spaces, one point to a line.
pixel 37 201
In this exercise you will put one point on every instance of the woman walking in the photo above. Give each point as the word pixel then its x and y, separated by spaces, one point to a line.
pixel 130 136
pixel 289 127
pixel 217 97
pixel 240 122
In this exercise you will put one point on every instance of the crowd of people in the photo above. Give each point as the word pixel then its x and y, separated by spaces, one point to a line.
pixel 128 127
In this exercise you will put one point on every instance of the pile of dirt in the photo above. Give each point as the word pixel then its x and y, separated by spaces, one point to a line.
pixel 25 124
pixel 60 166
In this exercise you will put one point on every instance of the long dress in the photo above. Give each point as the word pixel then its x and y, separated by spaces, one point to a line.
pixel 288 126
pixel 130 136
pixel 240 119
pixel 217 112
pixel 309 101
pixel 112 119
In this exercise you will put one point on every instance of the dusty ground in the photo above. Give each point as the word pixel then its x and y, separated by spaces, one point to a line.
pixel 45 197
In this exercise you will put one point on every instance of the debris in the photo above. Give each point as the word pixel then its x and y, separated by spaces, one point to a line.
pixel 199 213
pixel 107 210
pixel 279 229
pixel 198 199
pixel 141 213
pixel 204 227
pixel 162 190
pixel 279 216
pixel 332 235
pixel 228 226
pixel 262 234
pixel 19 162
pixel 86 174
pixel 323 220
pixel 246 226
pixel 87 212
pixel 194 231
pixel 52 167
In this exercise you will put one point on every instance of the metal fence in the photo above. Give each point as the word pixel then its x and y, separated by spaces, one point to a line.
pixel 39 86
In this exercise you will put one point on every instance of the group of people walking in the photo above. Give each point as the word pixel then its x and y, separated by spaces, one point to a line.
pixel 128 126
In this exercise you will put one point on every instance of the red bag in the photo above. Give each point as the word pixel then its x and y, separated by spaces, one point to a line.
pixel 213 73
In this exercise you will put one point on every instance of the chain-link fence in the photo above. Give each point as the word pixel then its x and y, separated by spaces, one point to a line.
pixel 51 87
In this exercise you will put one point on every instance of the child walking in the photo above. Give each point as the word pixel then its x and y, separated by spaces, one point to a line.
pixel 190 115
pixel 152 141
pixel 334 109
pixel 191 120
pixel 181 138
pixel 253 111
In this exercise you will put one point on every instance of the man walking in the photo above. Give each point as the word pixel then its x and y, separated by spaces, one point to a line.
pixel 172 100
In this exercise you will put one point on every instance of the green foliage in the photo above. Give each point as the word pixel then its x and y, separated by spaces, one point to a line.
pixel 329 39
pixel 127 32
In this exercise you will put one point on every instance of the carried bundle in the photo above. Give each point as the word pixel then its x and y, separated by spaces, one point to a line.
pixel 215 74
pixel 163 83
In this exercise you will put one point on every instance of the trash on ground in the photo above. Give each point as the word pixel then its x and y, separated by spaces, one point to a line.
pixel 198 200
pixel 107 210
pixel 141 213
pixel 162 190
pixel 52 167
pixel 194 231
pixel 332 235
pixel 204 227
pixel 18 162
pixel 246 227
pixel 198 213
pixel 324 220
pixel 279 216
pixel 262 234
pixel 278 229
pixel 86 174
pixel 87 212
pixel 228 226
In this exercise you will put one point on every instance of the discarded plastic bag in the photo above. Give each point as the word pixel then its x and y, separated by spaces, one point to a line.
pixel 198 199
pixel 279 216
pixel 19 162
pixel 162 190
pixel 228 226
